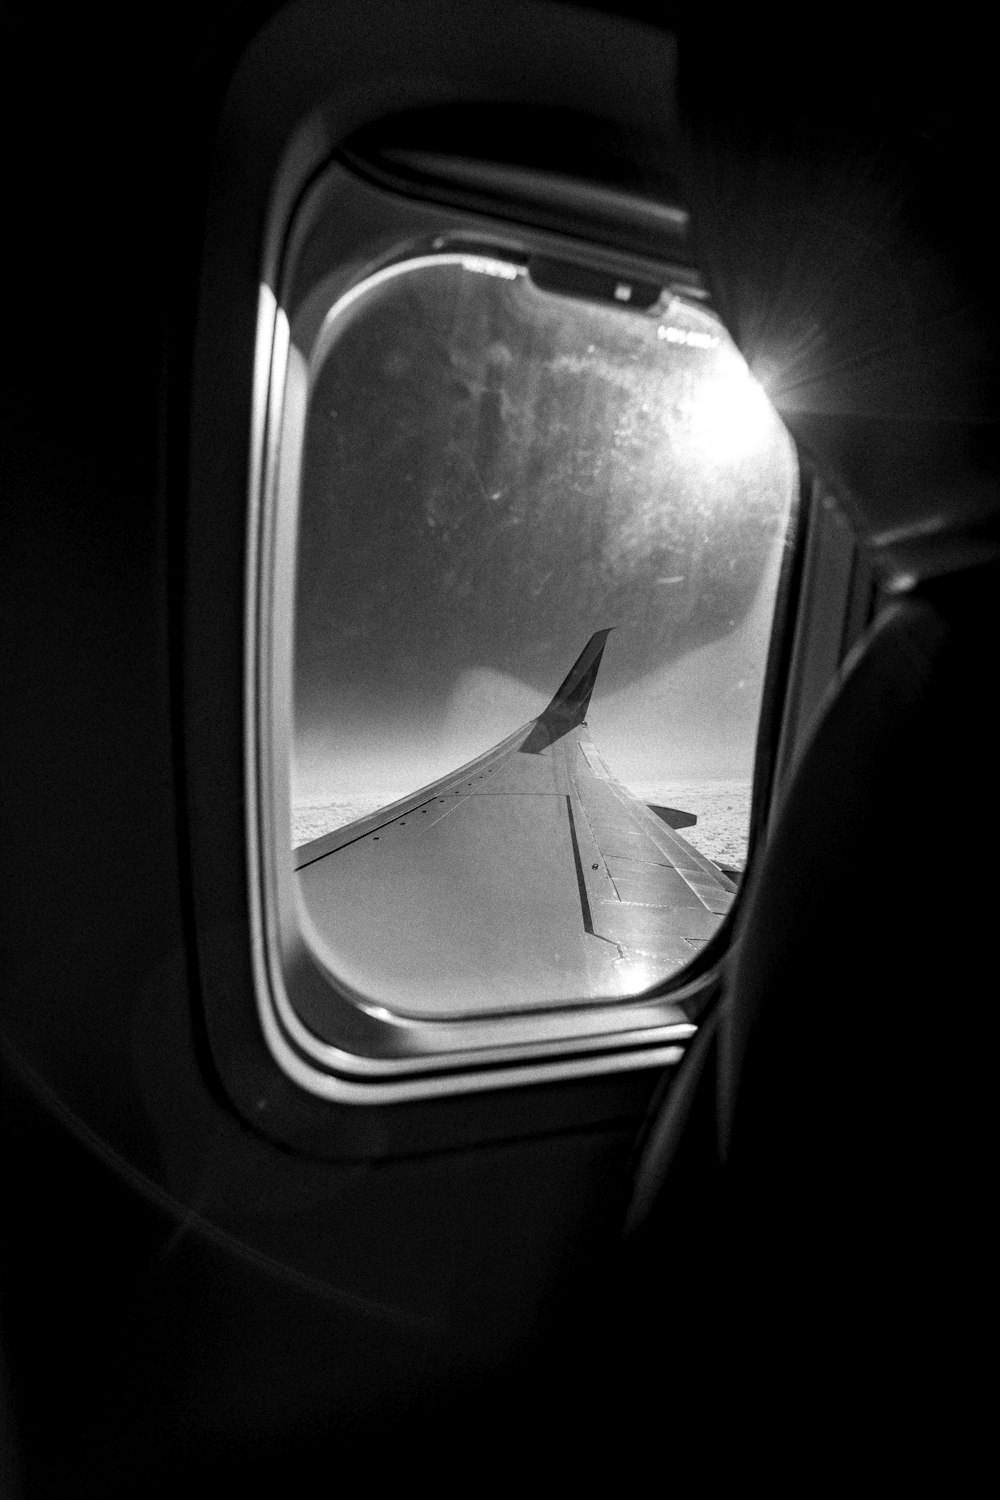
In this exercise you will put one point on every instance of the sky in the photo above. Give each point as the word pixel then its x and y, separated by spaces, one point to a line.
pixel 694 718
pixel 493 472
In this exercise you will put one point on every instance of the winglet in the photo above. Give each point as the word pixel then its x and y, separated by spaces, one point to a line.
pixel 569 706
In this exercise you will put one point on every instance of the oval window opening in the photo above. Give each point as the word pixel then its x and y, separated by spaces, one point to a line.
pixel 539 537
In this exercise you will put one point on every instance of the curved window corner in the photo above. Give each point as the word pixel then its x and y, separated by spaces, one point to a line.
pixel 519 522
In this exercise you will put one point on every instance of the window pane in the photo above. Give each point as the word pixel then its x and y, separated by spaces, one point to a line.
pixel 492 472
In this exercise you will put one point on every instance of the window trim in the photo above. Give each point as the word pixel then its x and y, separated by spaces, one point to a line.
pixel 381 1056
pixel 310 79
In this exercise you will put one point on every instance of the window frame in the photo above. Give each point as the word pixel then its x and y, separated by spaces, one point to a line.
pixel 311 78
pixel 380 1055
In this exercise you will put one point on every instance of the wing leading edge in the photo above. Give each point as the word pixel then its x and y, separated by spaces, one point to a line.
pixel 530 877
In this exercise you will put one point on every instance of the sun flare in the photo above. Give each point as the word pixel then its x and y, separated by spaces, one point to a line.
pixel 731 416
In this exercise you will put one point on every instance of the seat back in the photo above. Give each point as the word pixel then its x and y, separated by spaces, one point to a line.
pixel 848 1087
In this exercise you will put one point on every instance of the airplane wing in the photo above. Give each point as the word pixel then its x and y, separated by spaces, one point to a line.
pixel 528 878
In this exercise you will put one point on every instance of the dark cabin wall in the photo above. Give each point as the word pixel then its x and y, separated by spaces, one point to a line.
pixel 174 1286
pixel 109 130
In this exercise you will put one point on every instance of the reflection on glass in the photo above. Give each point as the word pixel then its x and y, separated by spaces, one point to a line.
pixel 491 473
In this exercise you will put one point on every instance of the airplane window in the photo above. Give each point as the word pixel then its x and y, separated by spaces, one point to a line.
pixel 541 515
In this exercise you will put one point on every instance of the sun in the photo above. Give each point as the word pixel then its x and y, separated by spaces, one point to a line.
pixel 731 416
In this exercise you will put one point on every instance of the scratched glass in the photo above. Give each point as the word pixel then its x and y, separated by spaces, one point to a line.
pixel 492 472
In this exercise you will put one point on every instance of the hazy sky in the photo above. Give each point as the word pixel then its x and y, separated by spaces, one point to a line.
pixel 491 474
pixel 695 717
